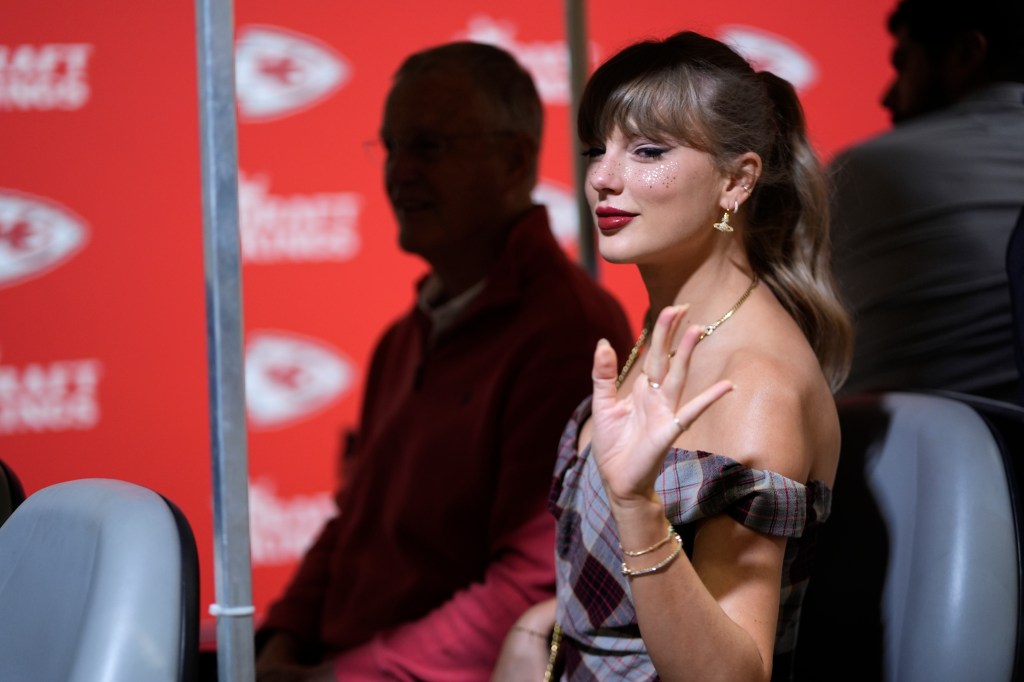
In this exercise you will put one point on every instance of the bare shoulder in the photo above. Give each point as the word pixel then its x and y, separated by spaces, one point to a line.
pixel 781 415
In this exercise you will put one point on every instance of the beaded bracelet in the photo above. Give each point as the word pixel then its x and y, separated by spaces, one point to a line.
pixel 631 573
pixel 641 552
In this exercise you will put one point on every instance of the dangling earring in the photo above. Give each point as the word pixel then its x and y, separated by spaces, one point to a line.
pixel 724 225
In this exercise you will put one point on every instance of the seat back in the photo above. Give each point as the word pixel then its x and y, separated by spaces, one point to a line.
pixel 1006 421
pixel 917 575
pixel 98 583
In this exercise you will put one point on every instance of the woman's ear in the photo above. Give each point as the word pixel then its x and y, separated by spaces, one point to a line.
pixel 741 180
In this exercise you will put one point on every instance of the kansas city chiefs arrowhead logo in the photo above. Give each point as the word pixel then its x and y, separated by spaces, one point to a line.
pixel 36 235
pixel 279 73
pixel 769 52
pixel 290 377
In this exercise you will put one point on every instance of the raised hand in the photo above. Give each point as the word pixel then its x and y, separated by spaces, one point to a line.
pixel 632 433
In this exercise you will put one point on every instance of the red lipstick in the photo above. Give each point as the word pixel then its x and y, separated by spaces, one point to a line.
pixel 610 219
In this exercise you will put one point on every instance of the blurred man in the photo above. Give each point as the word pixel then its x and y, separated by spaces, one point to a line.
pixel 923 214
pixel 442 538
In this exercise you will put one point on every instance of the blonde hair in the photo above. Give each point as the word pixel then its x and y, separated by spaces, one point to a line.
pixel 698 91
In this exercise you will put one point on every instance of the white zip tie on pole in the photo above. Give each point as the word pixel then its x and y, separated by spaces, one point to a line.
pixel 231 611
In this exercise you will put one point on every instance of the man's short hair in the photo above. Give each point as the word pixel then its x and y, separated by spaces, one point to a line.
pixel 935 24
pixel 498 77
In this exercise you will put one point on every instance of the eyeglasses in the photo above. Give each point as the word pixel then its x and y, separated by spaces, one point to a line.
pixel 425 147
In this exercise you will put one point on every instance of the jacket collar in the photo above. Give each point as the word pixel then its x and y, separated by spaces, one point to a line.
pixel 529 249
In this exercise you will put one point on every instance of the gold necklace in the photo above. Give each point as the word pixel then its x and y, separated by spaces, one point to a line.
pixel 708 331
pixel 632 357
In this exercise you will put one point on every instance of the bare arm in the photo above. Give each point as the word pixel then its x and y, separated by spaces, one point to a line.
pixel 524 655
pixel 729 595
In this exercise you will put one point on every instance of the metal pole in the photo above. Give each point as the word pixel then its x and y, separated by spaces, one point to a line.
pixel 222 264
pixel 579 69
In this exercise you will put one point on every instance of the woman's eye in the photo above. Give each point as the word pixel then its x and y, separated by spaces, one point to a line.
pixel 593 152
pixel 650 152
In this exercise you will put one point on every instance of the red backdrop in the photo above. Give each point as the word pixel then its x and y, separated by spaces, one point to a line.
pixel 102 336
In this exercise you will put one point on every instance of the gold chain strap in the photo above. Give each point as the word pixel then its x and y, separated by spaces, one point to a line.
pixel 556 640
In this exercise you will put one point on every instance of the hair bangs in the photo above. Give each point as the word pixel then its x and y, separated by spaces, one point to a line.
pixel 657 106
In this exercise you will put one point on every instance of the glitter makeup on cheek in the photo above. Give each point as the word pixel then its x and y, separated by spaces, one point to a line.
pixel 664 174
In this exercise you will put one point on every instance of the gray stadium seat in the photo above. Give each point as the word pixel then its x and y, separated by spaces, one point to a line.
pixel 98 583
pixel 917 575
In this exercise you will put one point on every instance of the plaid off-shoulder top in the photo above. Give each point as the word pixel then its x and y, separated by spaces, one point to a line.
pixel 601 639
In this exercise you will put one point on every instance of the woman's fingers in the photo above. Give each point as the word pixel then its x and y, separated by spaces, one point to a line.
pixel 656 363
pixel 668 369
pixel 605 371
pixel 665 370
pixel 695 407
pixel 679 361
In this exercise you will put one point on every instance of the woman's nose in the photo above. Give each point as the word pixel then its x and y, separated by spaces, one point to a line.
pixel 605 175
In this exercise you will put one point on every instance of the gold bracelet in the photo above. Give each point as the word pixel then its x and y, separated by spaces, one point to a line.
pixel 528 631
pixel 660 543
pixel 630 573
